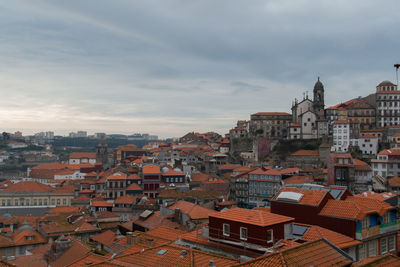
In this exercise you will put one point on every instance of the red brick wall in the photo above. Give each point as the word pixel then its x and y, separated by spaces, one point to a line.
pixel 256 234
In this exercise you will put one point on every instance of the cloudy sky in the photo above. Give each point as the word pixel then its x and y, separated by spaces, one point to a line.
pixel 171 66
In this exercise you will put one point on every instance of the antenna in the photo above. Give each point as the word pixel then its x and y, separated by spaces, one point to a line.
pixel 397 66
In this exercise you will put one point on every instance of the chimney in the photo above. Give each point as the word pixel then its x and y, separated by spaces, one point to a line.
pixel 59 246
pixel 178 216
pixel 150 242
pixel 129 238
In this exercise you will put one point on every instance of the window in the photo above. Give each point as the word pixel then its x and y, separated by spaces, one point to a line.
pixel 58 202
pixel 3 202
pixel 391 243
pixel 270 235
pixel 243 233
pixel 383 245
pixel 364 222
pixel 386 217
pixel 45 202
pixel 53 202
pixel 64 201
pixel 226 229
pixel 34 202
pixel 372 248
pixel 40 202
pixel 16 202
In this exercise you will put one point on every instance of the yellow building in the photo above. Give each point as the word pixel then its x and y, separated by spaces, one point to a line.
pixel 30 193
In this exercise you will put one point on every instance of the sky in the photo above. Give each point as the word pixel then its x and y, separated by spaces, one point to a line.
pixel 169 67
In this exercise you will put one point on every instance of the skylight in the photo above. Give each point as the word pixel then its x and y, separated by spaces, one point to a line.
pixel 290 196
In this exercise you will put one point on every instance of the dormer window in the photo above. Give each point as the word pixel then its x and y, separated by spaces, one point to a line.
pixel 29 237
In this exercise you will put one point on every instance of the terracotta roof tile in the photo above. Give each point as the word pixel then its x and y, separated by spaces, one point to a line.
pixel 151 169
pixel 101 203
pixel 297 179
pixel 126 200
pixel 77 250
pixel 106 238
pixel 379 261
pixel 80 155
pixel 117 177
pixel 256 217
pixel 315 232
pixel 173 256
pixel 315 253
pixel 311 197
pixel 134 177
pixel 28 186
pixel 194 211
pixel 165 233
pixel 345 209
pixel 134 187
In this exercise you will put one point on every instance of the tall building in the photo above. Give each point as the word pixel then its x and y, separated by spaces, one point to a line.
pixel 318 101
pixel 387 104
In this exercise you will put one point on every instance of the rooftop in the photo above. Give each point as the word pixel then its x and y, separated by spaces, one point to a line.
pixel 255 217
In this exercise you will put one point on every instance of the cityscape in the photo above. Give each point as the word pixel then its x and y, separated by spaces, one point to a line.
pixel 270 192
pixel 210 134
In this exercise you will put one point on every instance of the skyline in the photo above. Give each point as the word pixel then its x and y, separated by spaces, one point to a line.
pixel 173 67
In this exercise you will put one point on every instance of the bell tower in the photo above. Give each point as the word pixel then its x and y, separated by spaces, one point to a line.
pixel 318 101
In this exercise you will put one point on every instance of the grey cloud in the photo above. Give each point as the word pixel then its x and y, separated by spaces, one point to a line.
pixel 171 65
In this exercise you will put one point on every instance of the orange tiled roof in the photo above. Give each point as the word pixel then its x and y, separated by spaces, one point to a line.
pixel 392 151
pixel 28 186
pixel 70 209
pixel 379 261
pixel 173 257
pixel 316 232
pixel 151 169
pixel 101 203
pixel 165 233
pixel 194 211
pixel 134 186
pixel 88 259
pixel 106 238
pixel 47 166
pixel 360 165
pixel 255 217
pixel 81 155
pixel 311 197
pixel 345 209
pixel 77 250
pixel 315 253
pixel 117 177
pixel 341 122
pixel 394 181
pixel 20 238
pixel 297 179
pixel 172 173
pixel 134 177
pixel 125 200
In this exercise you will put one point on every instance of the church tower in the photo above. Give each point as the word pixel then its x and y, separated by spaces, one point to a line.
pixel 319 104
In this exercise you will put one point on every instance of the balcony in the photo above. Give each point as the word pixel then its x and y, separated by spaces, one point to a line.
pixel 377 230
pixel 389 227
